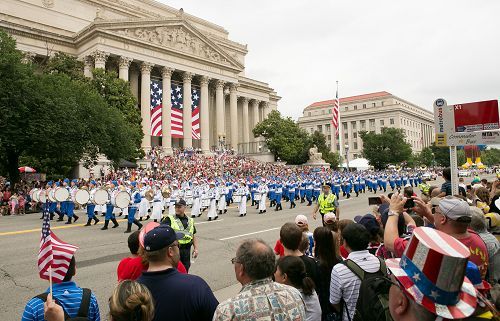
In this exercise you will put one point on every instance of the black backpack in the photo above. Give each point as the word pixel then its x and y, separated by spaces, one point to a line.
pixel 83 312
pixel 373 300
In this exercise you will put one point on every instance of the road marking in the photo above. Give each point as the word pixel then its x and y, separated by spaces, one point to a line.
pixel 246 234
pixel 206 222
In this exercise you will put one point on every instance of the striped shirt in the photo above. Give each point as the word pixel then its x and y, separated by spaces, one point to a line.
pixel 69 296
pixel 345 284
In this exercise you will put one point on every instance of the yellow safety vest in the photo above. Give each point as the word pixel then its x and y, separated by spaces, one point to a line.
pixel 176 225
pixel 326 204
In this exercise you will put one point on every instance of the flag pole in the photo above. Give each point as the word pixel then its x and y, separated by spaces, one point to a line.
pixel 50 279
pixel 338 122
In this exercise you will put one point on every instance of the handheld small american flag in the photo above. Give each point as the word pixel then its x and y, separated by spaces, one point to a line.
pixel 335 112
pixel 54 253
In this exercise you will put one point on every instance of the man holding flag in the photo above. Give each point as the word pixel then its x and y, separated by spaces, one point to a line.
pixel 56 263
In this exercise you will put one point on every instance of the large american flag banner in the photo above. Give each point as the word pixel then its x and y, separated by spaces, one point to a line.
pixel 176 97
pixel 53 253
pixel 335 112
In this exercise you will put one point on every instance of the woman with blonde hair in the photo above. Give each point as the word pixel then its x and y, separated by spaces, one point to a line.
pixel 130 301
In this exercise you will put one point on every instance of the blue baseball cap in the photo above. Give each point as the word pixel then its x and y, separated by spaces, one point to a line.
pixel 66 180
pixel 58 184
pixel 93 182
pixel 161 237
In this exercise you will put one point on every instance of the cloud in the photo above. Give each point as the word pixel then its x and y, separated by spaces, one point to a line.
pixel 417 50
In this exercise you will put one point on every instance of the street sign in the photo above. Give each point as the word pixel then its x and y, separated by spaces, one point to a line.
pixel 476 116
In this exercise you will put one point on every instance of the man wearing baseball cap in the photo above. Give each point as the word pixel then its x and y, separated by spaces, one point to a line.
pixel 177 296
pixel 451 216
pixel 326 202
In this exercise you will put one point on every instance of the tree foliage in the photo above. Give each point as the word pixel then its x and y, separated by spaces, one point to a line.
pixel 284 138
pixel 388 147
pixel 490 157
pixel 441 155
pixel 54 118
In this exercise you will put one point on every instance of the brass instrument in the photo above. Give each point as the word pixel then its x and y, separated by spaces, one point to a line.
pixel 165 191
pixel 149 195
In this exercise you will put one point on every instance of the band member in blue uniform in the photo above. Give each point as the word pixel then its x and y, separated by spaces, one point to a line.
pixel 91 206
pixel 70 203
pixel 277 196
pixel 132 209
pixel 291 194
pixel 109 208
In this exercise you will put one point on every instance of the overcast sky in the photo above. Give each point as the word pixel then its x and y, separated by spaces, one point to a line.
pixel 417 50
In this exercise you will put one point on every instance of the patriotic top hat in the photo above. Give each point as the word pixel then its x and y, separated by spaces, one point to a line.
pixel 432 272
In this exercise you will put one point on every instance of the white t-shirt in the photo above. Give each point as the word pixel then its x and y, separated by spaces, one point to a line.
pixel 345 284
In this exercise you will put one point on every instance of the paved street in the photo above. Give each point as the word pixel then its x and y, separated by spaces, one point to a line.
pixel 100 251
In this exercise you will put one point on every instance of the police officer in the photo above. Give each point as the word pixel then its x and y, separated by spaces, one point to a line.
pixel 327 202
pixel 181 223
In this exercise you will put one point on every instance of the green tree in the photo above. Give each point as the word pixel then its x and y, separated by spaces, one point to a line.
pixel 284 138
pixel 52 120
pixel 388 147
pixel 426 157
pixel 490 157
pixel 441 155
pixel 319 140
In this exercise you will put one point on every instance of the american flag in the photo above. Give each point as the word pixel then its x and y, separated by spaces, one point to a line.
pixel 176 96
pixel 53 253
pixel 335 112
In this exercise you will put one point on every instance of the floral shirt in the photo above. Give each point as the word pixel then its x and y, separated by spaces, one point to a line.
pixel 263 300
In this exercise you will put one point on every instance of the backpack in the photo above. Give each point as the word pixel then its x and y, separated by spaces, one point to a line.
pixel 373 300
pixel 83 312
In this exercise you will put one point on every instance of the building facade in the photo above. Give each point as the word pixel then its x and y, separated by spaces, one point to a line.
pixel 144 40
pixel 369 112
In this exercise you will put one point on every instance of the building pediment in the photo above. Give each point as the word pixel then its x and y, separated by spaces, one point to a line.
pixel 176 35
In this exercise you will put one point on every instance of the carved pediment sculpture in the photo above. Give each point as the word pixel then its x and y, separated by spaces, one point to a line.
pixel 178 38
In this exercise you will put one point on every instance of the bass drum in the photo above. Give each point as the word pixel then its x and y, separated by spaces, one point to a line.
pixel 121 199
pixel 51 195
pixel 34 195
pixel 41 196
pixel 101 197
pixel 61 194
pixel 82 196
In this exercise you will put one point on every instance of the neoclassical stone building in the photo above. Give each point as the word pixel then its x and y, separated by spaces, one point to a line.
pixel 145 40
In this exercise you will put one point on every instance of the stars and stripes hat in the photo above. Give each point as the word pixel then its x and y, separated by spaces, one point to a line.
pixel 432 273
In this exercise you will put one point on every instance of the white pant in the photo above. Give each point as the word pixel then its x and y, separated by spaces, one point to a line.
pixel 222 203
pixel 262 202
pixel 157 211
pixel 212 209
pixel 243 205
pixel 196 207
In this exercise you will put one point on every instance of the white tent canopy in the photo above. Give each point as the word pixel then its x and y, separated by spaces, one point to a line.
pixel 360 164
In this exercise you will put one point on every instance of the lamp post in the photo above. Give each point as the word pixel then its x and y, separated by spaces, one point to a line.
pixel 346 146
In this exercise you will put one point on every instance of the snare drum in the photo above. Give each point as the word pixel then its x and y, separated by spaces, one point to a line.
pixel 82 196
pixel 205 202
pixel 61 194
pixel 121 199
pixel 257 196
pixel 101 197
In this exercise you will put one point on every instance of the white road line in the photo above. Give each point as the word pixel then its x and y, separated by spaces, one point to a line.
pixel 209 222
pixel 246 234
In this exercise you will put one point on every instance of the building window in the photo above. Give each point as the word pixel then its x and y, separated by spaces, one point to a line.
pixel 362 124
pixel 391 121
pixel 355 107
pixel 327 128
pixel 309 114
pixel 372 124
pixel 355 135
pixel 320 128
pixel 382 103
pixel 353 125
pixel 346 108
pixel 374 104
pixel 355 156
pixel 364 106
pixel 346 136
pixel 381 123
pixel 312 130
pixel 329 111
pixel 355 145
pixel 329 137
pixel 344 125
pixel 338 147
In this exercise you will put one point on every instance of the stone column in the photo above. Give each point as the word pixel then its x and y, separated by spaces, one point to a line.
pixel 134 81
pixel 246 120
pixel 233 114
pixel 166 111
pixel 219 110
pixel 87 66
pixel 255 111
pixel 204 115
pixel 100 58
pixel 186 111
pixel 124 66
pixel 146 68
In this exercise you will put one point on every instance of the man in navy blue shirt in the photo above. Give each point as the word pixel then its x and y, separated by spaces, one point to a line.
pixel 178 297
